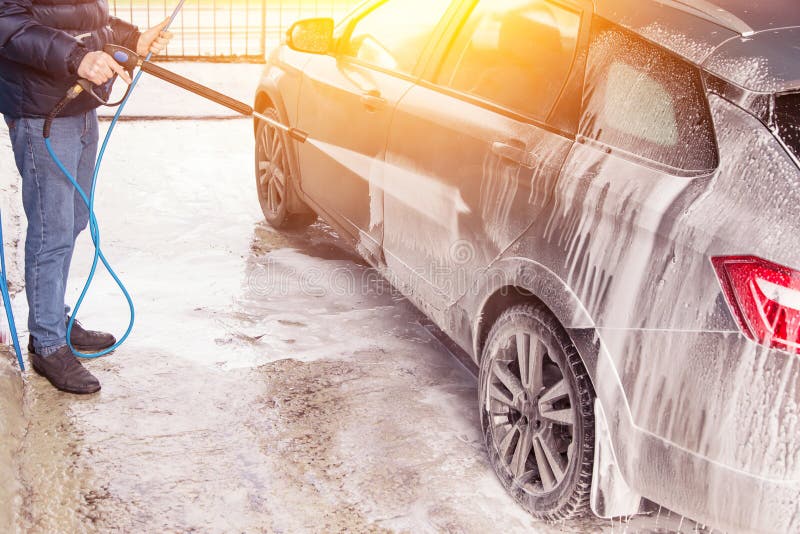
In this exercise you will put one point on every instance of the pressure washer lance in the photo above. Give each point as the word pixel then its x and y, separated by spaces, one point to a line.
pixel 130 60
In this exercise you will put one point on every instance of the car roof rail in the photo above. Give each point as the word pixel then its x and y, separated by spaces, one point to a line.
pixel 712 12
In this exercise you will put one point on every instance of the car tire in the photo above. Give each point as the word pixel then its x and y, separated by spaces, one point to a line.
pixel 274 179
pixel 538 426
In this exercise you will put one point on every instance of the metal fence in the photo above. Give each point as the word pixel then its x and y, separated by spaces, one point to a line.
pixel 227 30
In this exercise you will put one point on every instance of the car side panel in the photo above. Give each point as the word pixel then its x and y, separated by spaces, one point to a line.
pixel 338 165
pixel 453 202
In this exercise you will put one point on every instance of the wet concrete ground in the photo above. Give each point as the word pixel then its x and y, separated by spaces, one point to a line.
pixel 273 383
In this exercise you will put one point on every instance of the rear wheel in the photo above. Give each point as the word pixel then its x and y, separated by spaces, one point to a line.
pixel 536 404
pixel 274 179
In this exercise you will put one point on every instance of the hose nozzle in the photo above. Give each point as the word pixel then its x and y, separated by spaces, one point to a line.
pixel 294 133
pixel 298 135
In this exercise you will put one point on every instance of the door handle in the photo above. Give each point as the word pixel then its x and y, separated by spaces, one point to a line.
pixel 515 153
pixel 372 100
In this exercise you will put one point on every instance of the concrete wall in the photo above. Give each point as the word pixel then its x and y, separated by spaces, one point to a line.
pixel 11 209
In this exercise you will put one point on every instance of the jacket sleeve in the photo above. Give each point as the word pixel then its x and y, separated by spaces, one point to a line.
pixel 125 34
pixel 24 40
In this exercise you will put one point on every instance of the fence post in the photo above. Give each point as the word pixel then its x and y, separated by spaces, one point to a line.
pixel 263 29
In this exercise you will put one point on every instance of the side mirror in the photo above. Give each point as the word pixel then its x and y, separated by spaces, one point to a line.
pixel 314 36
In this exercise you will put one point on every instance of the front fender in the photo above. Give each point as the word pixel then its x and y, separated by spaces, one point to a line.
pixel 279 88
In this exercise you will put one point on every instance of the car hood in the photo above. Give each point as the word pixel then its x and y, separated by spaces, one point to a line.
pixel 767 61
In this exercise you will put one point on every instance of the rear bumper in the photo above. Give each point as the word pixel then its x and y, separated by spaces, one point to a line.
pixel 704 423
pixel 705 491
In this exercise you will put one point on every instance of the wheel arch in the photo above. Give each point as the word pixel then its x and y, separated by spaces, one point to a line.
pixel 268 95
pixel 502 299
pixel 263 101
pixel 518 280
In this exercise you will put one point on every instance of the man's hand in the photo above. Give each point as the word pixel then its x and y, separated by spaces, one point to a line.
pixel 154 40
pixel 99 67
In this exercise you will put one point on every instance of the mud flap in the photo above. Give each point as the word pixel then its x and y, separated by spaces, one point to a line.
pixel 611 496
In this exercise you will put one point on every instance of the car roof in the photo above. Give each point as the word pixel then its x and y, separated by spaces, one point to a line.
pixel 721 34
pixel 743 17
pixel 759 15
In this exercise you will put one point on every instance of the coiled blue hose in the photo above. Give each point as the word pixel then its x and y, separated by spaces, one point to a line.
pixel 93 226
pixel 7 300
pixel 95 233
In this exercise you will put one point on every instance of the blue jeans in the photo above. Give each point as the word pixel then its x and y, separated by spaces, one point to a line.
pixel 56 215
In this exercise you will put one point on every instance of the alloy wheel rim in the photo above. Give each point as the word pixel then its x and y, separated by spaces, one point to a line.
pixel 272 169
pixel 531 412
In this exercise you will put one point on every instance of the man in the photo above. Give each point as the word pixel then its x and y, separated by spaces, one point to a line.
pixel 45 46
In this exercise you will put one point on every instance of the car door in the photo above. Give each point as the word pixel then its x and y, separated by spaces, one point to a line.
pixel 346 103
pixel 475 149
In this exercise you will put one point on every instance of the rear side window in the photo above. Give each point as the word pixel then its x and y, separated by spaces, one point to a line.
pixel 647 102
pixel 787 118
pixel 394 35
pixel 514 53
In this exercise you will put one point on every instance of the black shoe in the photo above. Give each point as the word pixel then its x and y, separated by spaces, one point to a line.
pixel 89 340
pixel 65 372
pixel 84 340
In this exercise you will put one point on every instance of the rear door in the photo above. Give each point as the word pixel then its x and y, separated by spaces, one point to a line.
pixel 346 103
pixel 475 149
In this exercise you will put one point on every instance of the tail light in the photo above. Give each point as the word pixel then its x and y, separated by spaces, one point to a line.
pixel 764 297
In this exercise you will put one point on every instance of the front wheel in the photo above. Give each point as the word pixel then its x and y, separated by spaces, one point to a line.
pixel 536 406
pixel 274 178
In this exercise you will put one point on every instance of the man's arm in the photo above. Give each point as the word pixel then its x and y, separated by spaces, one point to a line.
pixel 24 40
pixel 125 34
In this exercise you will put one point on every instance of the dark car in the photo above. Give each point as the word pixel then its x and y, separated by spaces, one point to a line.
pixel 598 201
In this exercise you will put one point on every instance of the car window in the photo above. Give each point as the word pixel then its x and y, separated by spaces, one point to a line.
pixel 646 101
pixel 514 53
pixel 787 118
pixel 394 35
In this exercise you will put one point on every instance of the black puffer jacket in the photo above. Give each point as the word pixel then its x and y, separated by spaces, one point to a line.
pixel 42 42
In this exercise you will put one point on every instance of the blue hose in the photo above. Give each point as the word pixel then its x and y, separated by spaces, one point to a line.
pixel 98 253
pixel 93 226
pixel 7 300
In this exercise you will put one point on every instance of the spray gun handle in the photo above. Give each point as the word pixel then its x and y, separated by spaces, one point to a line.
pixel 129 61
pixel 127 58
